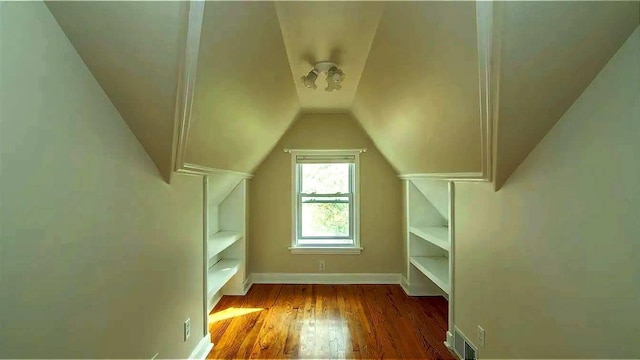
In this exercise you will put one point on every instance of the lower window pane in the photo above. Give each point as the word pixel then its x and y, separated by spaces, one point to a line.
pixel 325 219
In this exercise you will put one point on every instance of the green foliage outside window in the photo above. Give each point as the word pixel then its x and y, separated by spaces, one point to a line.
pixel 325 219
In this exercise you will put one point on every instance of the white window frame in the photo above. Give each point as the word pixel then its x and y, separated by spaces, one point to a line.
pixel 351 248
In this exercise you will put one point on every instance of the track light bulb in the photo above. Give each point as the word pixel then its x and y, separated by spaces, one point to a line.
pixel 310 79
pixel 334 79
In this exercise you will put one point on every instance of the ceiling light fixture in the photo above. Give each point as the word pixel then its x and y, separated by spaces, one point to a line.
pixel 310 79
pixel 335 76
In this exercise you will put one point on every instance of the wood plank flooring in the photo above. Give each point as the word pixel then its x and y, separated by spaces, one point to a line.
pixel 329 321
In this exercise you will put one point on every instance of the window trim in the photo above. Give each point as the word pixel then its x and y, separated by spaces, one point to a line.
pixel 297 248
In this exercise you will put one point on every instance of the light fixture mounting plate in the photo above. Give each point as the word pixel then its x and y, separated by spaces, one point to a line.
pixel 324 66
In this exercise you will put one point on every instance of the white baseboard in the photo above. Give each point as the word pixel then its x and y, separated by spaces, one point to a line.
pixel 202 349
pixel 213 301
pixel 404 283
pixel 449 342
pixel 315 278
pixel 248 283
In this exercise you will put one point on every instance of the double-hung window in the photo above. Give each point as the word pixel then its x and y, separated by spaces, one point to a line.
pixel 325 201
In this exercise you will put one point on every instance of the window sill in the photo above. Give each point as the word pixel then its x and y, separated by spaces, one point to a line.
pixel 325 250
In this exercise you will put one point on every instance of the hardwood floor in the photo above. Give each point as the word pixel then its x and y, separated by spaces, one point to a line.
pixel 329 321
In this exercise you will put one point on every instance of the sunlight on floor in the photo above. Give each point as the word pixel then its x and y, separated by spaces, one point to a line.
pixel 231 312
pixel 324 338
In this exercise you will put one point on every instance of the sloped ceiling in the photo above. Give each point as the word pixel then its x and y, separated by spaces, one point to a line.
pixel 418 97
pixel 437 192
pixel 245 97
pixel 550 52
pixel 132 49
pixel 340 32
pixel 412 73
pixel 220 185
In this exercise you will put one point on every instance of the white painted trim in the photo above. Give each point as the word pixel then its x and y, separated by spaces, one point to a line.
pixel 336 278
pixel 496 63
pixel 188 168
pixel 326 250
pixel 248 283
pixel 203 348
pixel 484 26
pixel 356 200
pixel 404 283
pixel 184 96
pixel 324 151
pixel 205 260
pixel 294 200
pixel 452 257
pixel 187 80
pixel 211 303
pixel 416 290
pixel 185 92
pixel 355 247
pixel 462 176
pixel 449 341
pixel 406 188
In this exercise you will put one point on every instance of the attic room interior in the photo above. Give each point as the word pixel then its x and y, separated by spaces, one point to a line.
pixel 433 180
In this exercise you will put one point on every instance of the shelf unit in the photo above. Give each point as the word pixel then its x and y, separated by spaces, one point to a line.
pixel 429 220
pixel 428 208
pixel 436 268
pixel 221 240
pixel 220 274
pixel 437 235
pixel 226 250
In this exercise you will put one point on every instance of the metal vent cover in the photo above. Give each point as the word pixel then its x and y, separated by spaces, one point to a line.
pixel 463 348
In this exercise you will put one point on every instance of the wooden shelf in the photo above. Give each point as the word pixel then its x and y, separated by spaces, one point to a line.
pixel 222 240
pixel 435 268
pixel 437 235
pixel 220 273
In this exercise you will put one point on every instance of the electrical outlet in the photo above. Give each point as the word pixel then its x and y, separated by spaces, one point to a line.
pixel 480 336
pixel 323 265
pixel 187 329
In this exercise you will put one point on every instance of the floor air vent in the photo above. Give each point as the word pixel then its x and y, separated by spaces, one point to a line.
pixel 463 348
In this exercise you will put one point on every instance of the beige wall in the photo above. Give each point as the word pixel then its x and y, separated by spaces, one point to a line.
pixel 99 256
pixel 545 64
pixel 380 203
pixel 549 265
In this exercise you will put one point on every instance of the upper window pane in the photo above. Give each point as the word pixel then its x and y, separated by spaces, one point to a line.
pixel 325 178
